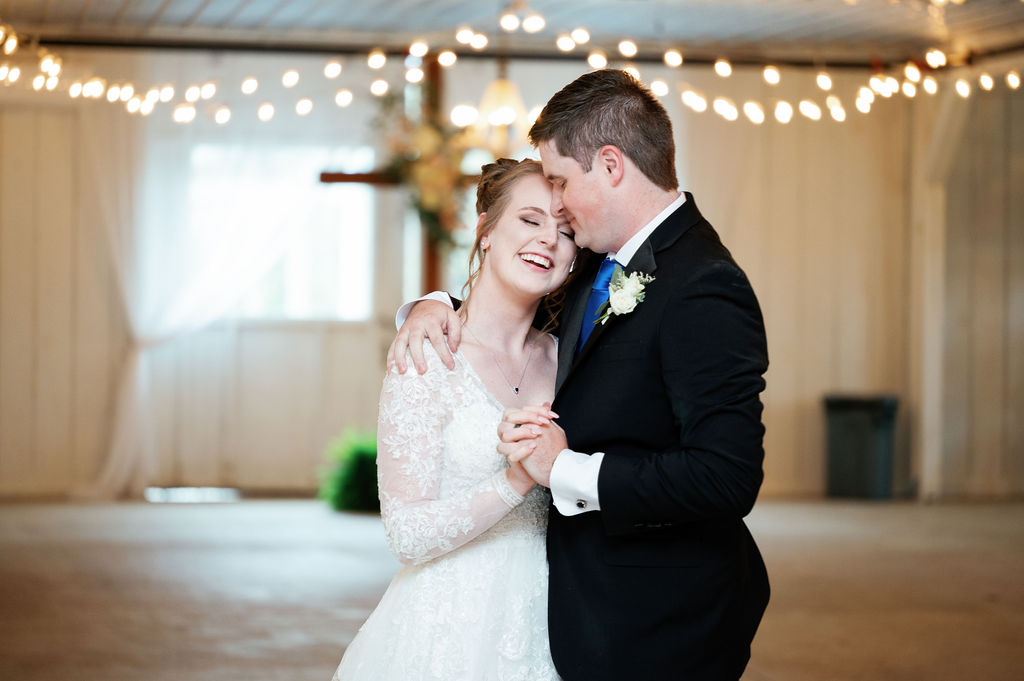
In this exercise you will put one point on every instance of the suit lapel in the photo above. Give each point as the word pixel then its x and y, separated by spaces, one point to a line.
pixel 572 317
pixel 643 261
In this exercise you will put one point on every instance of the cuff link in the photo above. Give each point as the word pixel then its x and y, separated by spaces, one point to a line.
pixel 581 504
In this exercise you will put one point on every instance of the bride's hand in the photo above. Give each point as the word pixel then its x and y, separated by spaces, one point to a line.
pixel 519 478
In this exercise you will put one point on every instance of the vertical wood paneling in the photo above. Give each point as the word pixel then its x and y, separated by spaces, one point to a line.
pixel 985 325
pixel 959 317
pixel 17 298
pixel 1014 411
pixel 275 420
pixel 98 325
pixel 53 261
pixel 986 231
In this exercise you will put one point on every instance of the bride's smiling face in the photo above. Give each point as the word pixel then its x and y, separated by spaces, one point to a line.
pixel 529 249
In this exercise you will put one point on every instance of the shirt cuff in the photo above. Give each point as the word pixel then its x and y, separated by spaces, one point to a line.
pixel 403 312
pixel 574 482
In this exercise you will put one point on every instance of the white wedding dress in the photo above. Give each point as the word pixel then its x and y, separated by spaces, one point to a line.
pixel 470 603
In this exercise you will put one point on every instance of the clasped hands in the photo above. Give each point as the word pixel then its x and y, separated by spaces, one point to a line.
pixel 531 441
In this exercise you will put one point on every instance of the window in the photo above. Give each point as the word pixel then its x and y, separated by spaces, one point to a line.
pixel 324 267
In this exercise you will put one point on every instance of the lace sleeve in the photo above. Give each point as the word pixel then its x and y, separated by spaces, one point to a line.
pixel 419 523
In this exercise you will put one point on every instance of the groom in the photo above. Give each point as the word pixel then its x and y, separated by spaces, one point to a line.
pixel 657 453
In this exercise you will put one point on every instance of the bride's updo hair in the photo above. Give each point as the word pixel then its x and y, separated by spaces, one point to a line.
pixel 493 194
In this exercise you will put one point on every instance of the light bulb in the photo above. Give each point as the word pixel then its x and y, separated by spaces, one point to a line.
pixel 464 115
pixel 627 48
pixel 909 89
pixel 509 21
pixel 332 69
pixel 963 88
pixel 581 36
pixel 249 86
pixel 414 75
pixel 265 112
pixel 419 49
pixel 304 106
pixel 379 87
pixel 166 93
pixel 533 23
pixel 192 94
pixel 478 42
pixel 376 59
pixel 659 87
pixel 184 113
pixel 930 85
pixel 912 73
pixel 597 59
pixel 343 98
pixel 783 112
pixel 723 68
pixel 985 81
pixel 565 43
pixel 824 81
pixel 464 35
pixel 673 58
pixel 447 58
pixel 754 112
pixel 810 110
pixel 771 75
pixel 1012 80
pixel 222 115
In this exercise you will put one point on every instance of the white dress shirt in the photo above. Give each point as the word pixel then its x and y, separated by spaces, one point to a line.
pixel 574 474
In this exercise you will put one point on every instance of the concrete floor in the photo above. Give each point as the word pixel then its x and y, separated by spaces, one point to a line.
pixel 268 590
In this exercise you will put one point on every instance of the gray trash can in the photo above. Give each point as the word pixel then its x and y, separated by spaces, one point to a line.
pixel 861 432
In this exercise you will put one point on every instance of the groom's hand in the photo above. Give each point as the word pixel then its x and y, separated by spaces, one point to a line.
pixel 529 436
pixel 427 319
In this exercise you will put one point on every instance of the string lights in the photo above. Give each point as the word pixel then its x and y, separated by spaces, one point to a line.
pixel 911 78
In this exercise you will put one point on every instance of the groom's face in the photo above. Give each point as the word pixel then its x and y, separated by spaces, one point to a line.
pixel 576 196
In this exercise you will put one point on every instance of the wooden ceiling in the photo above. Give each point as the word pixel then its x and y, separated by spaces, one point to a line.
pixel 856 31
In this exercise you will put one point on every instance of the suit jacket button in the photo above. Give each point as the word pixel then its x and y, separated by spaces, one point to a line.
pixel 581 504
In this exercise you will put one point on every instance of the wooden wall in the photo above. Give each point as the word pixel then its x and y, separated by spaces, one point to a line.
pixel 983 407
pixel 62 335
pixel 816 212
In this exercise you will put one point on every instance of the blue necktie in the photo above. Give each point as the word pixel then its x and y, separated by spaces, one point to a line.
pixel 598 297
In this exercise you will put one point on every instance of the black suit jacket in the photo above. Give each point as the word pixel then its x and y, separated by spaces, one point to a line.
pixel 665 581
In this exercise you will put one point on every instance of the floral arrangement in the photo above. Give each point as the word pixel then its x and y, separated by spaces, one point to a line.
pixel 427 157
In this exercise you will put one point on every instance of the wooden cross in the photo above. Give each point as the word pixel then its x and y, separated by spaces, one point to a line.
pixel 432 260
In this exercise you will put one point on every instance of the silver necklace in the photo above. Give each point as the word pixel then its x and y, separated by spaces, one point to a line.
pixel 494 358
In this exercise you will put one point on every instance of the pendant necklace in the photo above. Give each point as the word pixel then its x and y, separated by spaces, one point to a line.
pixel 515 388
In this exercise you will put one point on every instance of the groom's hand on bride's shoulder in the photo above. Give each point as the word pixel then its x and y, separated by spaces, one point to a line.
pixel 431 320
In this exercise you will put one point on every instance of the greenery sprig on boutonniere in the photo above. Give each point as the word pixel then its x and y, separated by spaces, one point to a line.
pixel 624 293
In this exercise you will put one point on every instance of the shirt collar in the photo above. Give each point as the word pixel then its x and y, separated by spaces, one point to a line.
pixel 629 249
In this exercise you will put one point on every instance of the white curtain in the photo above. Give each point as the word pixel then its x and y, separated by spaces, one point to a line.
pixel 179 269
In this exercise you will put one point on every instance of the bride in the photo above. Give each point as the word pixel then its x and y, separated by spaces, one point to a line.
pixel 470 602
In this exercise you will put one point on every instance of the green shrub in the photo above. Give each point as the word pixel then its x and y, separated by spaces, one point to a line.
pixel 349 480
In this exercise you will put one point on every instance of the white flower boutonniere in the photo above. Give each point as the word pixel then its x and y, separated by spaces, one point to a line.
pixel 624 293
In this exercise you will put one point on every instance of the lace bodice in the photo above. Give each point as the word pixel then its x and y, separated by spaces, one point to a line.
pixel 442 481
pixel 470 604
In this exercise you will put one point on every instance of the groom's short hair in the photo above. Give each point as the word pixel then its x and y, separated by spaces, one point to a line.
pixel 609 106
